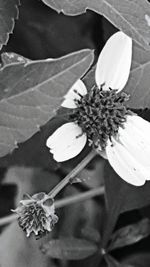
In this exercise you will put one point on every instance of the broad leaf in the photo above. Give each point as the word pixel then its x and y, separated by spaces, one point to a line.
pixel 69 249
pixel 138 258
pixel 130 234
pixel 89 79
pixel 30 94
pixel 138 86
pixel 8 14
pixel 132 17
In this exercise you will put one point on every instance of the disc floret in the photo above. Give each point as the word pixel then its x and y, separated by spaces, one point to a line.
pixel 36 214
pixel 99 114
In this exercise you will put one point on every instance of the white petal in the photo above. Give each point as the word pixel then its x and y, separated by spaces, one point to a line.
pixel 66 142
pixel 64 134
pixel 124 164
pixel 114 62
pixel 141 125
pixel 136 140
pixel 74 93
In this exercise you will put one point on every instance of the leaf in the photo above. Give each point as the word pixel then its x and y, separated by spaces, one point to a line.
pixel 69 249
pixel 20 250
pixel 89 78
pixel 8 14
pixel 139 258
pixel 138 86
pixel 114 263
pixel 9 58
pixel 37 157
pixel 139 56
pixel 31 93
pixel 128 197
pixel 91 234
pixel 132 17
pixel 130 234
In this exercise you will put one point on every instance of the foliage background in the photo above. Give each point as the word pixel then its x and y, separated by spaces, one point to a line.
pixel 41 33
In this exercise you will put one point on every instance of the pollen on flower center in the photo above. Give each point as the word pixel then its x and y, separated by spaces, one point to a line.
pixel 100 113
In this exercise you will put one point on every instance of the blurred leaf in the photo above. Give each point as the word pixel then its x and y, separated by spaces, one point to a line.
pixel 130 234
pixel 132 17
pixel 113 263
pixel 91 234
pixel 69 249
pixel 8 14
pixel 18 251
pixel 138 259
pixel 128 197
pixel 31 93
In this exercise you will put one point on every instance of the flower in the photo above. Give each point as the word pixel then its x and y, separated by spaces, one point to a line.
pixel 101 118
pixel 36 214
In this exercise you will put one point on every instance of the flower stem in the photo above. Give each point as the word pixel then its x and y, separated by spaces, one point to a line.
pixel 63 202
pixel 72 174
pixel 8 219
pixel 79 197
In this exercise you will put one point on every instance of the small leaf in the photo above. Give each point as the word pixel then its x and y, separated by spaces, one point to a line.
pixel 132 17
pixel 31 93
pixel 8 14
pixel 69 249
pixel 130 234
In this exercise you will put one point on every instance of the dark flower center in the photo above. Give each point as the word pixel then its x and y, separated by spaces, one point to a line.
pixel 33 217
pixel 100 114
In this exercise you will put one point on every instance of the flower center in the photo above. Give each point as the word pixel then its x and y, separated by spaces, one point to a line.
pixel 100 114
pixel 33 218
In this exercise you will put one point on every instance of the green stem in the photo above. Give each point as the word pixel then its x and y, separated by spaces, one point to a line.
pixel 72 174
pixel 61 203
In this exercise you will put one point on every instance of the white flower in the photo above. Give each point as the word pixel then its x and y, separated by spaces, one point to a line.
pixel 101 118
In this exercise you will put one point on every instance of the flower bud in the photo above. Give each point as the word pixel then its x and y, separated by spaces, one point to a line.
pixel 36 214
